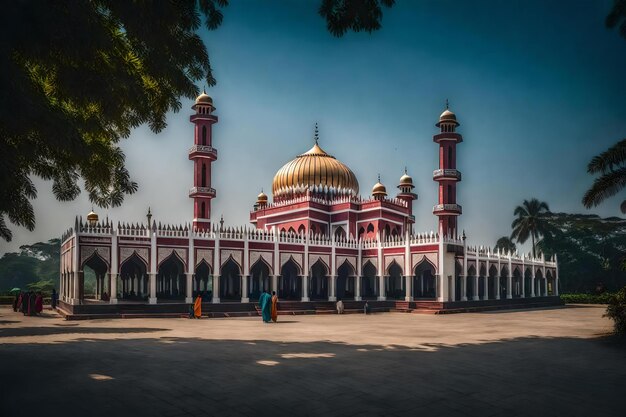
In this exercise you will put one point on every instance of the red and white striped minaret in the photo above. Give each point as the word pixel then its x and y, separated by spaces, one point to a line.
pixel 202 154
pixel 447 175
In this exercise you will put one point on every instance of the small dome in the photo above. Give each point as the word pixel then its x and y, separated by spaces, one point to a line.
pixel 261 198
pixel 406 180
pixel 379 189
pixel 204 98
pixel 447 117
pixel 92 217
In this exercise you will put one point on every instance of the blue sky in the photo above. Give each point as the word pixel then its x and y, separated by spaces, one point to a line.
pixel 537 86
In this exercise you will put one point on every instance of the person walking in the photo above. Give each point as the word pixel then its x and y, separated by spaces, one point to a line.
pixel 197 307
pixel 366 308
pixel 38 303
pixel 274 307
pixel 53 299
pixel 16 301
pixel 339 306
pixel 265 302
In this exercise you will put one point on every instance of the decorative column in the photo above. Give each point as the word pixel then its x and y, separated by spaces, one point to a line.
pixel 305 267
pixel 381 267
pixel 509 280
pixel 476 296
pixel 497 285
pixel 152 274
pixel 523 278
pixel 216 268
pixel 188 288
pixel 332 294
pixel 305 288
pixel 275 283
pixel 245 293
pixel 532 280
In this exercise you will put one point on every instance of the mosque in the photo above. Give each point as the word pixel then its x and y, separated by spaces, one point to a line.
pixel 318 240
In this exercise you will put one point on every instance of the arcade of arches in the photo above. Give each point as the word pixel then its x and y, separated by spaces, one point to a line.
pixel 133 282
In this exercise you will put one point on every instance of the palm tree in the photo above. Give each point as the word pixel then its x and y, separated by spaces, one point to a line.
pixel 505 244
pixel 611 164
pixel 529 222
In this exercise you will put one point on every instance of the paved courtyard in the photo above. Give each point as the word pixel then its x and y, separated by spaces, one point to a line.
pixel 554 362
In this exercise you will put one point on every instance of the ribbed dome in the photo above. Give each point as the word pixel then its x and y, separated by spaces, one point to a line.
pixel 204 98
pixel 317 172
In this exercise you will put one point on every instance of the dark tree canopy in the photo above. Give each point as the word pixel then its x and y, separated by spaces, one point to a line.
pixel 77 77
pixel 617 17
pixel 505 244
pixel 356 15
pixel 611 167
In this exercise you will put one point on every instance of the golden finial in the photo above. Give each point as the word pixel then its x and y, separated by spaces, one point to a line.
pixel 317 133
pixel 447 105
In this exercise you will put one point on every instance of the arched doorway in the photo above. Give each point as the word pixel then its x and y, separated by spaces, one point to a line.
pixel 93 283
pixel 259 279
pixel 494 283
pixel 289 282
pixel 504 282
pixel 171 282
pixel 517 283
pixel 550 282
pixel 133 279
pixel 528 282
pixel 539 283
pixel 458 281
pixel 470 289
pixel 483 283
pixel 345 282
pixel 319 281
pixel 424 284
pixel 395 289
pixel 230 281
pixel 204 282
pixel 368 282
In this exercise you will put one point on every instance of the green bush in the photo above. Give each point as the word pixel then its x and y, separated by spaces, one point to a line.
pixel 583 298
pixel 616 311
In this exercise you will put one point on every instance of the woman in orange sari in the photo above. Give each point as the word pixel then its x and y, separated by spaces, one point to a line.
pixel 197 307
pixel 274 306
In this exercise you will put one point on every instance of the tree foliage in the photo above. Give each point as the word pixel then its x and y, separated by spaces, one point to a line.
pixel 77 77
pixel 616 311
pixel 34 263
pixel 505 244
pixel 590 250
pixel 617 17
pixel 611 165
pixel 529 221
pixel 356 15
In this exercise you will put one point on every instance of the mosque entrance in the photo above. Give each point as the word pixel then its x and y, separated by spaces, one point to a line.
pixel 133 279
pixel 346 282
pixel 289 283
pixel 259 280
pixel 171 282
pixel 230 282
pixel 319 282
pixel 203 282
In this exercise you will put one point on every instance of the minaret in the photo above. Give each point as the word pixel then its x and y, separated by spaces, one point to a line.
pixel 406 193
pixel 202 154
pixel 447 175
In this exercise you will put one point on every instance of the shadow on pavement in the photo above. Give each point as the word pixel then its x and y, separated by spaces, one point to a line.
pixel 45 331
pixel 530 376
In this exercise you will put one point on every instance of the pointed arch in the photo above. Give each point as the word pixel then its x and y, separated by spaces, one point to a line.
pixel 230 258
pixel 297 264
pixel 424 263
pixel 289 283
pixel 369 283
pixel 172 254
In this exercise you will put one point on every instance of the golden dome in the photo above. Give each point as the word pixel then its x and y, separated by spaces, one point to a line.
pixel 317 172
pixel 261 198
pixel 379 189
pixel 406 180
pixel 92 217
pixel 203 99
pixel 447 117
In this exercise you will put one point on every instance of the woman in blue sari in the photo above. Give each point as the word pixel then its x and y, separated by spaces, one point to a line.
pixel 265 302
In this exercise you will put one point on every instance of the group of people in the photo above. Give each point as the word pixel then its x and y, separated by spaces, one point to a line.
pixel 269 306
pixel 30 303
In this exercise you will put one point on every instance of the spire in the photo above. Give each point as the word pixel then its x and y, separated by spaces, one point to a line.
pixel 317 133
pixel 405 171
pixel 379 177
pixel 447 105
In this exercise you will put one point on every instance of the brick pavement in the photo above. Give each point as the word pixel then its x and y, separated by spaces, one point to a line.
pixel 551 362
